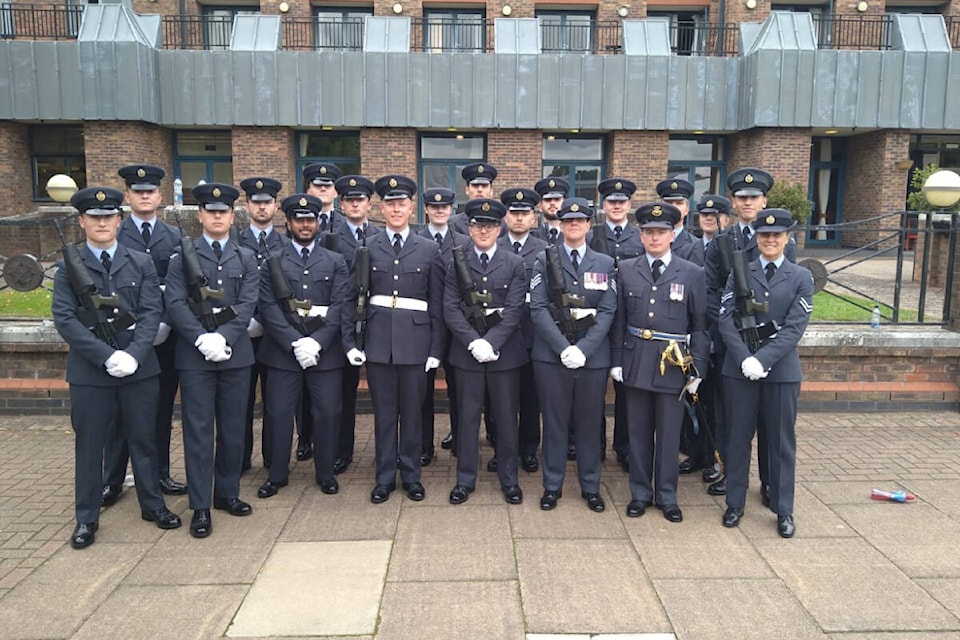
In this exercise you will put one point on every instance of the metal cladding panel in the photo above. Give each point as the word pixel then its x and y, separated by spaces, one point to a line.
pixel 650 37
pixel 676 103
pixel 766 88
pixel 516 35
pixel 352 90
pixel 255 88
pixel 594 93
pixel 635 98
pixel 385 34
pixel 729 118
pixel 255 32
pixel 288 114
pixel 152 28
pixel 936 100
pixel 571 91
pixel 484 90
pixel 375 90
pixel 917 32
pixel 892 69
pixel 749 32
pixel 431 101
pixel 398 86
pixel 845 91
pixel 528 98
pixel 504 94
pixel 111 23
pixel 912 96
pixel 18 80
pixel 421 91
pixel 869 89
pixel 951 115
pixel 304 82
pixel 549 92
pixel 333 79
pixel 615 90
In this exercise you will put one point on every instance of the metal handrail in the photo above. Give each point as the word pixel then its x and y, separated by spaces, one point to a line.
pixel 839 31
pixel 39 22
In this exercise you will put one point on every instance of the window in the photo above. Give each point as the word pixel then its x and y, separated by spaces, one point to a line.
pixel 699 160
pixel 202 155
pixel 687 30
pixel 453 31
pixel 53 150
pixel 566 31
pixel 579 159
pixel 825 189
pixel 340 29
pixel 342 148
pixel 442 157
pixel 218 25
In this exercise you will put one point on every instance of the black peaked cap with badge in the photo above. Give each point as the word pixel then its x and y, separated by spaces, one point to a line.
pixel 261 189
pixel 552 187
pixel 616 189
pixel 352 187
pixel 141 177
pixel 575 208
pixel 773 220
pixel 674 189
pixel 320 173
pixel 214 196
pixel 713 203
pixel 520 199
pixel 392 187
pixel 479 173
pixel 439 195
pixel 301 205
pixel 485 210
pixel 749 182
pixel 657 215
pixel 97 201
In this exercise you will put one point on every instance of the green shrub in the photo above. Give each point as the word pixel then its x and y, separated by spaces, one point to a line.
pixel 791 197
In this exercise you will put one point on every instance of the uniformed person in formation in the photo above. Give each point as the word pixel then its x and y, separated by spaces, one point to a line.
pixel 620 240
pixel 678 192
pixel 214 355
pixel 319 181
pixel 144 231
pixel 405 335
pixel 261 238
pixel 571 358
pixel 519 239
pixel 479 177
pixel 764 377
pixel 113 376
pixel 438 206
pixel 661 308
pixel 355 197
pixel 487 349
pixel 713 213
pixel 302 346
pixel 552 191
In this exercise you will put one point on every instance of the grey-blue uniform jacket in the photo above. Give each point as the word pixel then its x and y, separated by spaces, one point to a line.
pixel 346 243
pixel 790 297
pixel 597 283
pixel 506 282
pixel 677 304
pixel 629 245
pixel 133 277
pixel 689 247
pixel 250 240
pixel 164 242
pixel 451 239
pixel 237 275
pixel 325 282
pixel 405 336
pixel 531 249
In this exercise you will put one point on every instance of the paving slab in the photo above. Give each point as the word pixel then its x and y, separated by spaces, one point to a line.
pixel 587 586
pixel 451 611
pixel 315 588
pixel 348 515
pixel 946 591
pixel 847 491
pixel 941 494
pixel 570 519
pixel 453 542
pixel 162 612
pixel 933 635
pixel 847 585
pixel 735 609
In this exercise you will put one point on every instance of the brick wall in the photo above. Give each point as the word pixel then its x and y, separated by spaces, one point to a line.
pixel 265 151
pixel 874 185
pixel 109 145
pixel 782 152
pixel 16 181
pixel 517 156
pixel 386 151
pixel 640 156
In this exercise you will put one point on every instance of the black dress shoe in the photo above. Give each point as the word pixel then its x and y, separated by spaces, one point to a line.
pixel 571 452
pixel 672 513
pixel 529 463
pixel 329 487
pixel 200 524
pixel 172 488
pixel 109 495
pixel 233 506
pixel 459 494
pixel 83 535
pixel 513 494
pixel 594 501
pixel 269 489
pixel 549 499
pixel 718 488
pixel 426 458
pixel 637 508
pixel 304 453
pixel 341 464
pixel 688 465
pixel 765 495
pixel 731 517
pixel 711 474
pixel 415 491
pixel 164 518
pixel 785 526
pixel 447 442
pixel 492 465
pixel 381 493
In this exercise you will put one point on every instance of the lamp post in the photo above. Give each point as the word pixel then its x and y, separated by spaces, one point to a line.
pixel 942 190
pixel 61 187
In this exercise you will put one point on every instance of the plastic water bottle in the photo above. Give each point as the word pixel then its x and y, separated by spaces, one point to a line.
pixel 875 317
pixel 178 192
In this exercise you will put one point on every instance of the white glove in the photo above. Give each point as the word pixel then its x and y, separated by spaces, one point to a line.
pixel 254 328
pixel 121 364
pixel 307 351
pixel 432 363
pixel 210 345
pixel 692 385
pixel 356 357
pixel 572 357
pixel 482 351
pixel 221 356
pixel 163 332
pixel 617 374
pixel 752 368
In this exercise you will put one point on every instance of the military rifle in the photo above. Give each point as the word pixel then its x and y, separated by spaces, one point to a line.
pixel 473 303
pixel 297 312
pixel 200 296
pixel 562 303
pixel 361 266
pixel 748 306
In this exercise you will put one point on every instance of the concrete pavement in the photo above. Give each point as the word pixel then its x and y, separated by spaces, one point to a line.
pixel 310 565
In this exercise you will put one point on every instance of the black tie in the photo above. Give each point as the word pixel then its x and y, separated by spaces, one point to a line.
pixel 105 259
pixel 516 247
pixel 553 236
pixel 655 269
pixel 746 236
pixel 617 230
pixel 438 238
pixel 397 243
pixel 145 232
pixel 217 251
pixel 575 259
pixel 360 235
pixel 771 269
pixel 323 222
pixel 262 240
pixel 304 254
pixel 484 259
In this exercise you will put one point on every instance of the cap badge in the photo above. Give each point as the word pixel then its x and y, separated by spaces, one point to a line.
pixel 303 202
pixel 618 186
pixel 259 184
pixel 748 178
pixel 437 197
pixel 674 185
pixel 323 171
pixel 141 173
pixel 352 182
pixel 770 220
pixel 574 207
pixel 552 184
pixel 101 196
pixel 657 211
pixel 216 192
pixel 709 203
pixel 392 183
pixel 519 196
pixel 480 169
pixel 485 206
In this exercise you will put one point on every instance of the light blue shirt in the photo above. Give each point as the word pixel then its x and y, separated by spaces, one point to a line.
pixel 223 243
pixel 97 252
pixel 492 250
pixel 665 259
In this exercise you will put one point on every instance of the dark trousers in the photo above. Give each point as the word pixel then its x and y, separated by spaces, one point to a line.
pixel 213 404
pixel 98 412
pixel 428 410
pixel 397 394
pixel 773 404
pixel 502 389
pixel 621 430
pixel 258 373
pixel 655 422
pixel 348 420
pixel 570 397
pixel 529 412
pixel 304 419
pixel 284 389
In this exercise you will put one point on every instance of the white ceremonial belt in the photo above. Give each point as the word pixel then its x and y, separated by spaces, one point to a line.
pixel 396 302
pixel 313 312
pixel 576 313
pixel 492 310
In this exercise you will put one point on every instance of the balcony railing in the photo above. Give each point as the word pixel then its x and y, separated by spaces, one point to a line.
pixel 445 35
pixel 321 33
pixel 38 22
pixel 197 32
pixel 953 30
pixel 704 39
pixel 835 31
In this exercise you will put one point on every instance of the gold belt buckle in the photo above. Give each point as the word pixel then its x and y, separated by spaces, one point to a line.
pixel 646 334
pixel 393 302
